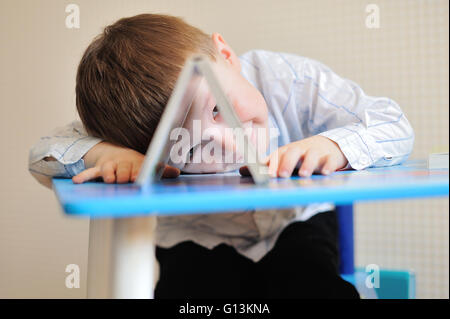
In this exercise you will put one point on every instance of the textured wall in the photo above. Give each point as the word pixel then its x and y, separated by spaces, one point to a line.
pixel 405 59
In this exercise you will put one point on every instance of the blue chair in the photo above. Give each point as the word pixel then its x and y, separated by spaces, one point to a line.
pixel 393 284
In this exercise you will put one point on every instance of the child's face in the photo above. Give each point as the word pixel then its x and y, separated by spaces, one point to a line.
pixel 250 107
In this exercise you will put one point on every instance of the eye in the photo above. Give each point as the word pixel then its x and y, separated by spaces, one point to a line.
pixel 215 111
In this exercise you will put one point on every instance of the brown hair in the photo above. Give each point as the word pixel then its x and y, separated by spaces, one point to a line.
pixel 128 72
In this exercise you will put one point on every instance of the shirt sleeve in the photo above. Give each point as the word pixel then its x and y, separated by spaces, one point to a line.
pixel 67 145
pixel 370 131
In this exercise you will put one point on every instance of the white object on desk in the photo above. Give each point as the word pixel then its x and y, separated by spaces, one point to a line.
pixel 438 161
pixel 174 115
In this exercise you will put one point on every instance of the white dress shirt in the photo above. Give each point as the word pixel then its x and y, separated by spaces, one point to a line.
pixel 304 98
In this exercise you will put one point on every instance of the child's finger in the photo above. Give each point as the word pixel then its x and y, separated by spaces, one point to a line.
pixel 309 164
pixel 244 171
pixel 289 160
pixel 87 175
pixel 171 172
pixel 274 161
pixel 135 171
pixel 329 167
pixel 123 172
pixel 273 164
pixel 108 172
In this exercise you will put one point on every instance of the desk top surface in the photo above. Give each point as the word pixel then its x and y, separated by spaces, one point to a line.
pixel 211 193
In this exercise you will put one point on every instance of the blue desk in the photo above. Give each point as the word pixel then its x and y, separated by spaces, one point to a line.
pixel 127 213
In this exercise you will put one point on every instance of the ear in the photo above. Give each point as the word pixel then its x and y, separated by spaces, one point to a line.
pixel 226 51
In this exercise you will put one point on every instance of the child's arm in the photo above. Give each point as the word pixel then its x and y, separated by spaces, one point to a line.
pixel 349 128
pixel 69 152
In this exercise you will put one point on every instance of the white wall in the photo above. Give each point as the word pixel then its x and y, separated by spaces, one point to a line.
pixel 405 59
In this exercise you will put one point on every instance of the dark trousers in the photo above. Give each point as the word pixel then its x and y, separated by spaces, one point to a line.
pixel 304 263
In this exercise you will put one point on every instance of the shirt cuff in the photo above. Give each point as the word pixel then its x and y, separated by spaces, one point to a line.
pixel 68 158
pixel 356 144
pixel 75 168
pixel 75 152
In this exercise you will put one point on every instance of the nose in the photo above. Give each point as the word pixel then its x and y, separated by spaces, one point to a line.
pixel 230 139
pixel 222 135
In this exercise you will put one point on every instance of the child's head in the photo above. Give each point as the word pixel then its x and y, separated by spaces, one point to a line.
pixel 128 72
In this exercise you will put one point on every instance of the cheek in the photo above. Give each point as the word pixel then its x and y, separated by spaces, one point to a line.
pixel 250 106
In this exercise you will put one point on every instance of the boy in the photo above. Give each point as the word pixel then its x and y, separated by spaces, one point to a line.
pixel 325 123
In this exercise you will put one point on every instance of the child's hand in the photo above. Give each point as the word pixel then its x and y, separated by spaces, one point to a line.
pixel 316 154
pixel 114 164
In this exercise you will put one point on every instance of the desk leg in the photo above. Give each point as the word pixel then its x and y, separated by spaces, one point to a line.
pixel 99 258
pixel 346 236
pixel 133 257
pixel 121 261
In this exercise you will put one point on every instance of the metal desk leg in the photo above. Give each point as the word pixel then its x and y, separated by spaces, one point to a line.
pixel 99 258
pixel 346 239
pixel 121 260
pixel 133 257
